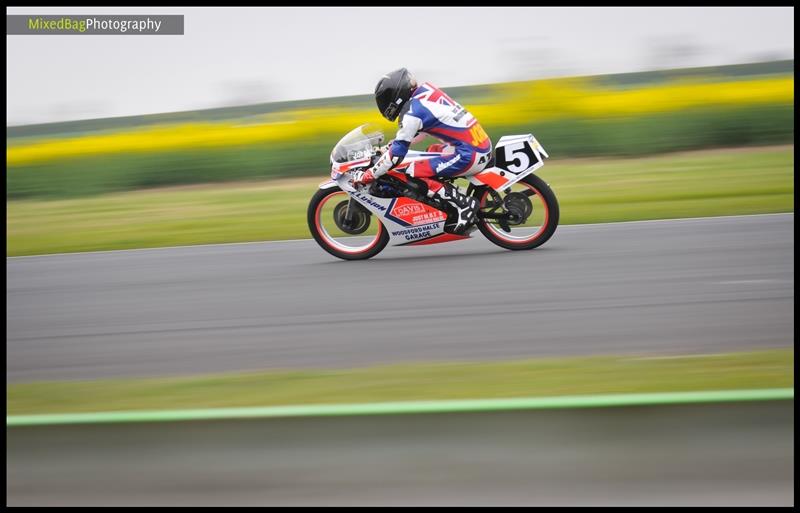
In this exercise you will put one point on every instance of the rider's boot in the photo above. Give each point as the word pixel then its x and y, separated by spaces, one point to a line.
pixel 464 208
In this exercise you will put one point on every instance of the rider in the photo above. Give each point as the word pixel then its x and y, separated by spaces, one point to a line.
pixel 426 109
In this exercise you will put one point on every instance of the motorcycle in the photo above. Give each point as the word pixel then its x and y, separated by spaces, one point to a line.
pixel 518 210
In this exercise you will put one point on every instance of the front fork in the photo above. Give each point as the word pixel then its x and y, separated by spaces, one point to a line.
pixel 348 216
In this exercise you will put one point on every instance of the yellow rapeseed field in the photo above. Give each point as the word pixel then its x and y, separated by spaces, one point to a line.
pixel 581 98
pixel 508 104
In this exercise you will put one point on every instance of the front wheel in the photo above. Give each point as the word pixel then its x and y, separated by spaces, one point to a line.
pixel 534 207
pixel 347 235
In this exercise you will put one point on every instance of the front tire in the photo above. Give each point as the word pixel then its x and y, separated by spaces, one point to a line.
pixel 544 228
pixel 337 245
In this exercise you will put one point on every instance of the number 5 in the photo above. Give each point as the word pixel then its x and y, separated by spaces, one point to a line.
pixel 516 157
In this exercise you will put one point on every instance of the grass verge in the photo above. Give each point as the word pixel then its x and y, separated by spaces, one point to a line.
pixel 544 377
pixel 692 184
pixel 208 160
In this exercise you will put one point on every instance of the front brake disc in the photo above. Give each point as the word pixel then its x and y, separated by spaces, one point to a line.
pixel 359 218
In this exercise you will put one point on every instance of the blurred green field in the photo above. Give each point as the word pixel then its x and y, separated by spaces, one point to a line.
pixel 425 381
pixel 691 184
pixel 640 135
pixel 618 115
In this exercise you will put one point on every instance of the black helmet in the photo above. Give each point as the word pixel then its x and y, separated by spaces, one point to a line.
pixel 393 91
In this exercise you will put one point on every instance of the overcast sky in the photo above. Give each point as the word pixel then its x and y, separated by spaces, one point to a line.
pixel 230 56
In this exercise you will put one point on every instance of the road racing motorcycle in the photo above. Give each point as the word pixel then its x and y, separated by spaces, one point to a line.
pixel 518 210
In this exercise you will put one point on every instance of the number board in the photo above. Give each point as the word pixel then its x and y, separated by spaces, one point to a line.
pixel 517 154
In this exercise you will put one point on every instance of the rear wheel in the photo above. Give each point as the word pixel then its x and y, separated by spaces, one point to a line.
pixel 536 209
pixel 354 237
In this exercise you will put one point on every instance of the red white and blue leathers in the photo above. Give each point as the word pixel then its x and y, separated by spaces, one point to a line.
pixel 431 111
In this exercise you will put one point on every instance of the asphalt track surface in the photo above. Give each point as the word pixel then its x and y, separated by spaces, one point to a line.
pixel 734 454
pixel 643 288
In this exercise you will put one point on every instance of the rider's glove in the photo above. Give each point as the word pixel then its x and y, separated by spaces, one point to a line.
pixel 363 177
pixel 384 164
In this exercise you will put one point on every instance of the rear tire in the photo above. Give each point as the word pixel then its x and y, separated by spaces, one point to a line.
pixel 542 235
pixel 328 243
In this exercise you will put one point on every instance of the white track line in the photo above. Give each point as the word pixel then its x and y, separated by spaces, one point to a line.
pixel 306 240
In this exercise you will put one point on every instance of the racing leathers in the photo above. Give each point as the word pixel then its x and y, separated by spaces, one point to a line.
pixel 466 149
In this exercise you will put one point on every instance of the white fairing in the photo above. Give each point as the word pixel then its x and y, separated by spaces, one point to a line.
pixel 408 221
pixel 402 217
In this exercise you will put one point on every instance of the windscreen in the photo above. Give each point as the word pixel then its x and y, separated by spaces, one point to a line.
pixel 357 144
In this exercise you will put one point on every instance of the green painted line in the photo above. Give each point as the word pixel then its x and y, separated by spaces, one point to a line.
pixel 406 407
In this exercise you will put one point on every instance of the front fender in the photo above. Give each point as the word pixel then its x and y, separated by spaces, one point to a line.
pixel 342 181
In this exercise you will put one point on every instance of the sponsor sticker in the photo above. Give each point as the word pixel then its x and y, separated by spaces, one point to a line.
pixel 367 200
pixel 445 165
pixel 418 232
pixel 416 213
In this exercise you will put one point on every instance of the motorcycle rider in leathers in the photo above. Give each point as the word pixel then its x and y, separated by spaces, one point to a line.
pixel 425 109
